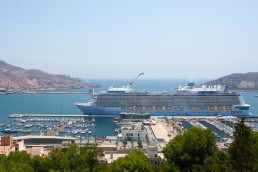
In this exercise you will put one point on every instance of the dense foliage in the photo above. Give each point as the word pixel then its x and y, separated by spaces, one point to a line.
pixel 191 148
pixel 73 158
pixel 244 148
pixel 195 151
pixel 135 161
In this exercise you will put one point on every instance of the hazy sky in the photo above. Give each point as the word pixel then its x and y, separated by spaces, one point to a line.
pixel 120 39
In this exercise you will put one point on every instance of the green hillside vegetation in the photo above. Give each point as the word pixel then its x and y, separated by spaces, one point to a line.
pixel 195 151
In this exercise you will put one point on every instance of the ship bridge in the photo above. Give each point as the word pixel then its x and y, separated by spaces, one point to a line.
pixel 123 89
pixel 202 89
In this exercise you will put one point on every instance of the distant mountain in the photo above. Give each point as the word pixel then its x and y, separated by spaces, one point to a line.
pixel 13 77
pixel 238 81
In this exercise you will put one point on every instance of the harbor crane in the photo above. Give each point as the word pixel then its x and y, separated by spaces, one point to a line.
pixel 136 78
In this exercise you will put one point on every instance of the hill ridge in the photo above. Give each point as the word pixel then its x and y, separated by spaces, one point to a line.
pixel 238 81
pixel 17 78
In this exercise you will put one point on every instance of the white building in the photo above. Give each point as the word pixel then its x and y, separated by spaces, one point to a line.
pixel 133 132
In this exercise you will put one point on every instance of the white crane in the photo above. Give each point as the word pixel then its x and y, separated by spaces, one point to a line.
pixel 136 78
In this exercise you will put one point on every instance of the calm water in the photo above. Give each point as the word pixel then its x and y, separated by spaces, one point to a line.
pixel 64 103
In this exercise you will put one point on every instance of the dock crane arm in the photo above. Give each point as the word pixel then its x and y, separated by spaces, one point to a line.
pixel 136 78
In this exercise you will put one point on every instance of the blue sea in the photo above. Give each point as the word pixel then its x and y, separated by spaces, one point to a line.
pixel 64 103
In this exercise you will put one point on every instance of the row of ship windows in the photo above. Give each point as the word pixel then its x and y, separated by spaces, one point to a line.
pixel 177 108
pixel 170 100
pixel 159 103
pixel 165 102
pixel 229 99
pixel 165 98
pixel 168 95
pixel 188 107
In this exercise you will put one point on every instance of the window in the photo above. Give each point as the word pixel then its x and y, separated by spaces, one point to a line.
pixel 129 134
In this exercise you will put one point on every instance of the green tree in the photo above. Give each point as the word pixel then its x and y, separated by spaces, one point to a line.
pixel 19 156
pixel 254 150
pixel 95 138
pixel 117 140
pixel 41 164
pixel 56 155
pixel 165 167
pixel 147 139
pixel 240 148
pixel 3 162
pixel 139 143
pixel 76 158
pixel 191 148
pixel 89 157
pixel 124 143
pixel 19 161
pixel 132 142
pixel 135 161
pixel 219 162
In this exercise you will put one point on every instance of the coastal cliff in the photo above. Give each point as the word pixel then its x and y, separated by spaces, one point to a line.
pixel 16 78
pixel 238 81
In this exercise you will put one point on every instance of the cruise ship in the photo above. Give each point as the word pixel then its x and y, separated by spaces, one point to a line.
pixel 191 100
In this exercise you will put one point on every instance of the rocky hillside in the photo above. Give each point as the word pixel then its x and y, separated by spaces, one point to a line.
pixel 238 81
pixel 13 77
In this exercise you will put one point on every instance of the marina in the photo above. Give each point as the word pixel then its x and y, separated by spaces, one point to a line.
pixel 82 126
pixel 50 125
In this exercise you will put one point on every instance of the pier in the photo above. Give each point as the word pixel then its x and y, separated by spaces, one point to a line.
pixel 45 115
pixel 220 126
pixel 214 121
pixel 56 115
pixel 55 130
pixel 56 92
pixel 196 124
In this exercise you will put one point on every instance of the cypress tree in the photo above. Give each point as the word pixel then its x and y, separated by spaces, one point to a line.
pixel 240 148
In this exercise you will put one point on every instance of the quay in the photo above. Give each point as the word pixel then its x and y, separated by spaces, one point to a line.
pixel 160 132
pixel 56 115
pixel 55 92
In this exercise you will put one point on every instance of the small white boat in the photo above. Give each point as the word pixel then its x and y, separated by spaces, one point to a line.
pixel 8 130
pixel 28 125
